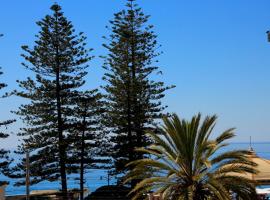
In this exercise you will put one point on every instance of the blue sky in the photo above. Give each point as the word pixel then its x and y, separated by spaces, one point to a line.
pixel 215 52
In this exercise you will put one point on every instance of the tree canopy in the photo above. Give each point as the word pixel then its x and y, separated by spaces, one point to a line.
pixel 185 163
pixel 132 95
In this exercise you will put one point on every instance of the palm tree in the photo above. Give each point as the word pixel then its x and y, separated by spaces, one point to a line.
pixel 184 163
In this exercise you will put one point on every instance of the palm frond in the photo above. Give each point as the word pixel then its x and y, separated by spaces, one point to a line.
pixel 185 164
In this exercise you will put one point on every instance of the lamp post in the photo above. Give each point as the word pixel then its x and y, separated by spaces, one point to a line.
pixel 108 178
pixel 27 172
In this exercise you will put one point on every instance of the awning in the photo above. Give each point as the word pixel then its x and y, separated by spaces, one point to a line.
pixel 263 167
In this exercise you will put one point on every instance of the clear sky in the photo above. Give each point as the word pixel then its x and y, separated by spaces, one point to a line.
pixel 215 52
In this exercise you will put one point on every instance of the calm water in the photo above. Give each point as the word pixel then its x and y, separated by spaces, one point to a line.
pixel 94 179
pixel 97 178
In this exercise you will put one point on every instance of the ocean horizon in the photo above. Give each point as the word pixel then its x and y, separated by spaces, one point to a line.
pixel 97 178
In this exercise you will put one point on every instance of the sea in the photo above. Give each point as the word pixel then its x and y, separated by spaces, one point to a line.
pixel 97 178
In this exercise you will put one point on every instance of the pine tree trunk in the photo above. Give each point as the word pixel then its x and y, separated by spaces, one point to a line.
pixel 61 143
pixel 130 144
pixel 82 158
pixel 134 98
pixel 82 169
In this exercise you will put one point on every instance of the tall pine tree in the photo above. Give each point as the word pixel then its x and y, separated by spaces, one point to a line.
pixel 88 138
pixel 5 160
pixel 4 157
pixel 132 95
pixel 58 60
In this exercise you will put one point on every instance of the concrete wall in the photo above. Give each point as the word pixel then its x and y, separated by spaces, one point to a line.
pixel 18 197
pixel 2 192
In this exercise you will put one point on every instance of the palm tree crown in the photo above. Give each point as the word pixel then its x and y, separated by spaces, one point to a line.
pixel 185 163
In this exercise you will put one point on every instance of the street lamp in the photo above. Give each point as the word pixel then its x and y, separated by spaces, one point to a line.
pixel 27 172
pixel 108 178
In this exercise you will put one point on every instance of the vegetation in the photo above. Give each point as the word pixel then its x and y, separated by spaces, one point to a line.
pixel 186 164
pixel 58 60
pixel 88 137
pixel 70 129
pixel 112 192
pixel 5 160
pixel 4 157
pixel 133 98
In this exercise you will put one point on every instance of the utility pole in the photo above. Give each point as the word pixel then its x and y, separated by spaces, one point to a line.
pixel 27 177
pixel 108 178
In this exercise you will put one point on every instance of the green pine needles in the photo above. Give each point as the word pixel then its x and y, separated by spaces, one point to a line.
pixel 132 95
pixel 59 60
pixel 5 160
pixel 69 129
